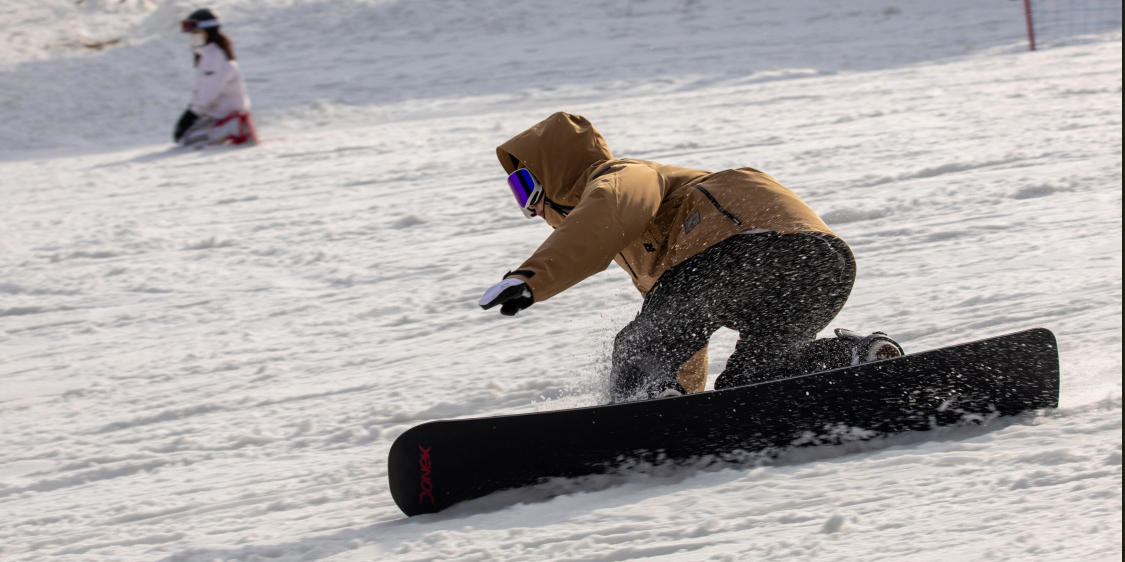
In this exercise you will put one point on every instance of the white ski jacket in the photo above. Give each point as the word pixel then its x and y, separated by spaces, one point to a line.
pixel 219 89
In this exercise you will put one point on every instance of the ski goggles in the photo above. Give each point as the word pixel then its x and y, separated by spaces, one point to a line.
pixel 527 189
pixel 191 25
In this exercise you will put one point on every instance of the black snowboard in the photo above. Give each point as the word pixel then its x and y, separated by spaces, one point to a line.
pixel 437 464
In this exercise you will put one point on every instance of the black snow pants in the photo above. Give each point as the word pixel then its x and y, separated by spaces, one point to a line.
pixel 776 290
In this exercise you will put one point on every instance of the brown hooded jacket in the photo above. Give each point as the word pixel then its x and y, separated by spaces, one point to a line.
pixel 646 216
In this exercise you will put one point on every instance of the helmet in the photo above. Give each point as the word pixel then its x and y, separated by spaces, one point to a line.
pixel 200 19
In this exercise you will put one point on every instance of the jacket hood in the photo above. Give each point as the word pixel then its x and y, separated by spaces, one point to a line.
pixel 560 151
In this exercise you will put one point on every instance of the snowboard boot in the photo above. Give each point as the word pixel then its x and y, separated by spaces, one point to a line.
pixel 674 390
pixel 865 349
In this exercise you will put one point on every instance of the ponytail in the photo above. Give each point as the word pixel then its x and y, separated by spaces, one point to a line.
pixel 213 36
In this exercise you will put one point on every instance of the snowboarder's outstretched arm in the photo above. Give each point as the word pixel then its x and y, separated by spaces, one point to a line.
pixel 614 211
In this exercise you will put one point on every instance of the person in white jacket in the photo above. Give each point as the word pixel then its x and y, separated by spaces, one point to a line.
pixel 220 108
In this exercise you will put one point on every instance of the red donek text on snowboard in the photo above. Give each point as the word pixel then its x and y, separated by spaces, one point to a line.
pixel 427 484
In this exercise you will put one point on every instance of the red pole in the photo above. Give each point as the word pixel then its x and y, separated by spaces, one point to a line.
pixel 1030 24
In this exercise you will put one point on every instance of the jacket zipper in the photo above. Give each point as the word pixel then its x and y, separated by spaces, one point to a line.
pixel 715 202
pixel 626 262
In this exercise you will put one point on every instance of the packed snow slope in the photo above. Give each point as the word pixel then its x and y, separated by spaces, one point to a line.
pixel 120 69
pixel 205 355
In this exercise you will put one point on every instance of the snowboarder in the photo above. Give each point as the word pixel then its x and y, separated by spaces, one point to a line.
pixel 707 250
pixel 220 108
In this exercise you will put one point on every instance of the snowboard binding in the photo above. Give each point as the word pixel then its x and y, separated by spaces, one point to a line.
pixel 865 349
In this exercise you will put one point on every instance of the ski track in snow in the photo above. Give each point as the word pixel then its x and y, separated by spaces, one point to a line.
pixel 206 355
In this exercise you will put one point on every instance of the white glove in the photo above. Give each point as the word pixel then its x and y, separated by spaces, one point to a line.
pixel 512 293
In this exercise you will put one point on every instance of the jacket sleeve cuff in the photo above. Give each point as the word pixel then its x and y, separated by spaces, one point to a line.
pixel 525 275
pixel 521 273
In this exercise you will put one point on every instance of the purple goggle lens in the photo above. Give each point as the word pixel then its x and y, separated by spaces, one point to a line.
pixel 527 189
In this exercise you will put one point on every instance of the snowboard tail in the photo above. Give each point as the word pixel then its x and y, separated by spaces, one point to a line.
pixel 437 464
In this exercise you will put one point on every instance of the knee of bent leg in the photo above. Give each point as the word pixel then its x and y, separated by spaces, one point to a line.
pixel 629 345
